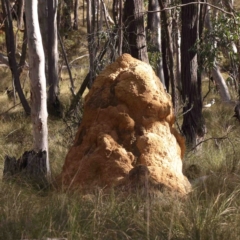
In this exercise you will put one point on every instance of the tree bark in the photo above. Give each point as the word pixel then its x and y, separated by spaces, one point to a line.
pixel 165 61
pixel 91 39
pixel 43 23
pixel 37 81
pixel 11 53
pixel 120 28
pixel 67 15
pixel 21 4
pixel 177 50
pixel 53 80
pixel 133 19
pixel 75 21
pixel 31 164
pixel 193 122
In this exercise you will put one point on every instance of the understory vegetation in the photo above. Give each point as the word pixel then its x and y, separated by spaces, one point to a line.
pixel 210 211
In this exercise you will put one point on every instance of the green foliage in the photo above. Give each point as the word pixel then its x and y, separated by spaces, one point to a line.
pixel 225 31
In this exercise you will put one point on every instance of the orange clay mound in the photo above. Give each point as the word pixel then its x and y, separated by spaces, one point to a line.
pixel 126 135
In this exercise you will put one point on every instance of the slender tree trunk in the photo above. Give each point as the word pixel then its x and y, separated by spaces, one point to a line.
pixel 193 122
pixel 154 36
pixel 67 64
pixel 83 23
pixel 177 50
pixel 135 31
pixel 21 5
pixel 75 22
pixel 165 61
pixel 37 80
pixel 120 28
pixel 115 11
pixel 52 52
pixel 11 53
pixel 23 53
pixel 67 15
pixel 91 39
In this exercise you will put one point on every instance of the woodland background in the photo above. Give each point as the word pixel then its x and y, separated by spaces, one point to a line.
pixel 201 67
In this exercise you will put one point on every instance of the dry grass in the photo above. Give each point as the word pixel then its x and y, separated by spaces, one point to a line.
pixel 211 211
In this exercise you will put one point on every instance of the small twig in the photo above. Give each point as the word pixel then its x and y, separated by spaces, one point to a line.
pixel 186 111
pixel 10 109
pixel 86 55
pixel 12 132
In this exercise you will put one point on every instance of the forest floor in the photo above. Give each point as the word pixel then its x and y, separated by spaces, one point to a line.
pixel 211 211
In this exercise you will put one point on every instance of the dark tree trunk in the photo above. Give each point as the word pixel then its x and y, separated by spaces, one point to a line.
pixel 91 4
pixel 75 21
pixel 67 15
pixel 120 28
pixel 24 52
pixel 193 122
pixel 133 18
pixel 165 61
pixel 115 11
pixel 11 53
pixel 20 13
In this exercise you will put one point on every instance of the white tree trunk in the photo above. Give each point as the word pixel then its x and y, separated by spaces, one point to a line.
pixel 222 86
pixel 43 23
pixel 37 80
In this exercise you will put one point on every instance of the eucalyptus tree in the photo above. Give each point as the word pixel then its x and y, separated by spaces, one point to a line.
pixel 91 38
pixel 47 15
pixel 193 125
pixel 37 76
pixel 52 49
pixel 75 20
pixel 133 18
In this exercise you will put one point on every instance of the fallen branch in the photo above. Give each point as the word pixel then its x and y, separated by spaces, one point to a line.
pixel 86 55
pixel 211 138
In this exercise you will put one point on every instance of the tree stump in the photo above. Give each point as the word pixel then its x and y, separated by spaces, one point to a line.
pixel 31 164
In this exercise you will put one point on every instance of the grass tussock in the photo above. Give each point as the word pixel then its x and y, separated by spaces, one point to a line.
pixel 30 214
